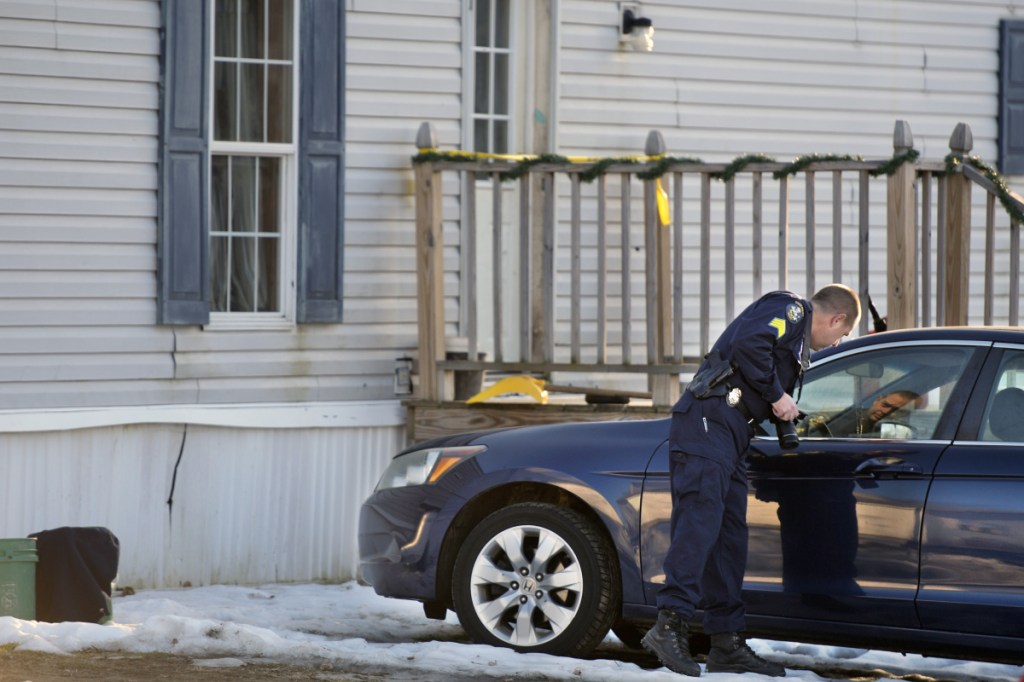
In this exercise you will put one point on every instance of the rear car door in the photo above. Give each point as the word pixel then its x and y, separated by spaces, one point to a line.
pixel 835 524
pixel 972 558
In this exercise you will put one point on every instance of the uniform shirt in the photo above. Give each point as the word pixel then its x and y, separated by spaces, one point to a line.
pixel 766 344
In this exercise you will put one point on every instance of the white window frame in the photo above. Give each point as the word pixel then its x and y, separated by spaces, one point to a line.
pixel 289 207
pixel 519 60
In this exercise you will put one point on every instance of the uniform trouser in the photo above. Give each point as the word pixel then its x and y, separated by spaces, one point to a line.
pixel 708 553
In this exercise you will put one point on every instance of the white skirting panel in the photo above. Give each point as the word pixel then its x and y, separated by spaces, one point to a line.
pixel 244 504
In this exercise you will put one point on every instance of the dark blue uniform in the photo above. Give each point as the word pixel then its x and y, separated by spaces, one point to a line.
pixel 705 562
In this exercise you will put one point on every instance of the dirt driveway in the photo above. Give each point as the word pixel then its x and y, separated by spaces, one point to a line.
pixel 120 667
pixel 21 666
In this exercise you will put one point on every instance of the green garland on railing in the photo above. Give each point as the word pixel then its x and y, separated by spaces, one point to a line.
pixel 892 165
pixel 430 156
pixel 953 163
pixel 599 167
pixel 802 162
pixel 524 166
pixel 739 163
pixel 662 165
pixel 1006 198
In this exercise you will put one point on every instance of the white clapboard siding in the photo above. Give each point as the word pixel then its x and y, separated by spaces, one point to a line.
pixel 77 229
pixel 404 67
pixel 80 175
pixel 77 91
pixel 44 396
pixel 76 218
pixel 86 367
pixel 296 389
pixel 743 59
pixel 344 337
pixel 51 285
pixel 282 364
pixel 127 340
pixel 78 136
pixel 68 313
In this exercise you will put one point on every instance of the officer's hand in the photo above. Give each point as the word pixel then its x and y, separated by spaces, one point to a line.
pixel 785 408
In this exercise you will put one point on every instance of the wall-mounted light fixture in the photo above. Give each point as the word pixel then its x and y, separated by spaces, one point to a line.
pixel 636 32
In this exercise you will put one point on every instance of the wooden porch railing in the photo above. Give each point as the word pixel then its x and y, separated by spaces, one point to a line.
pixel 568 242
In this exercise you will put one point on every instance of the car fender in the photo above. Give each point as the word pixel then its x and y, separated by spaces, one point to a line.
pixel 620 520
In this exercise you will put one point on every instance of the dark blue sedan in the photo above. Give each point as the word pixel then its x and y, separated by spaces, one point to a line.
pixel 897 523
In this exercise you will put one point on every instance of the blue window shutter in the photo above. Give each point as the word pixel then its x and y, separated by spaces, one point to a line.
pixel 321 161
pixel 183 290
pixel 1011 96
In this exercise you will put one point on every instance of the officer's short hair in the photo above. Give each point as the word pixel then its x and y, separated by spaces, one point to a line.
pixel 838 298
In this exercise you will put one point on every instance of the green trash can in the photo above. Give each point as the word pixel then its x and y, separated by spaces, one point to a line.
pixel 18 578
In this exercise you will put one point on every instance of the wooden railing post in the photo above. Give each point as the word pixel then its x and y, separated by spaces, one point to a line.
pixel 542 270
pixel 902 236
pixel 537 240
pixel 958 231
pixel 664 387
pixel 429 272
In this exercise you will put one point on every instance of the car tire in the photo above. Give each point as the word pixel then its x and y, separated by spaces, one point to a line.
pixel 537 578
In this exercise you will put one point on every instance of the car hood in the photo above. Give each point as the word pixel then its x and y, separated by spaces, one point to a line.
pixel 641 435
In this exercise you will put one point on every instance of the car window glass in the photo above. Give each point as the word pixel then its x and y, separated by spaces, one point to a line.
pixel 887 393
pixel 1004 413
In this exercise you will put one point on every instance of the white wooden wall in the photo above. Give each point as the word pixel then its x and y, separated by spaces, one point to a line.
pixel 78 152
pixel 404 67
pixel 734 77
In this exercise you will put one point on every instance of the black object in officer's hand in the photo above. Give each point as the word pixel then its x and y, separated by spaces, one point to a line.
pixel 786 432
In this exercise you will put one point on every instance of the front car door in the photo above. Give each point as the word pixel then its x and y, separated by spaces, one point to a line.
pixel 835 524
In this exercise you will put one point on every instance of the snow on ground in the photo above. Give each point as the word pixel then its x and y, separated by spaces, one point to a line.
pixel 351 628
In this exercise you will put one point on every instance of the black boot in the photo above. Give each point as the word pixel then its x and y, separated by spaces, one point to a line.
pixel 730 654
pixel 667 640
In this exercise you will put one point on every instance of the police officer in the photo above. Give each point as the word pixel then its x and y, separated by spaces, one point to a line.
pixel 749 375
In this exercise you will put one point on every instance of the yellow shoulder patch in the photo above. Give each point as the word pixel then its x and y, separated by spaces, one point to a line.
pixel 780 326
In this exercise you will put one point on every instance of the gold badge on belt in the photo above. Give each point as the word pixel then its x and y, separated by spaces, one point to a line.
pixel 732 398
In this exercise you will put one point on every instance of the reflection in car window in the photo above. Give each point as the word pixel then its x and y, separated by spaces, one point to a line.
pixel 1004 414
pixel 887 393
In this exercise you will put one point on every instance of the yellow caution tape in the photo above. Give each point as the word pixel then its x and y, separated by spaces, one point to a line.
pixel 663 210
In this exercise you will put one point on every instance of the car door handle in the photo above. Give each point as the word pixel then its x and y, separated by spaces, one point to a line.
pixel 887 467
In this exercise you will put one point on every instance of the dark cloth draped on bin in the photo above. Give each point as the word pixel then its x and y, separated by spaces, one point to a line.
pixel 74 574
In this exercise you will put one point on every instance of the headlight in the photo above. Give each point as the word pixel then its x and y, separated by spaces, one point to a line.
pixel 425 466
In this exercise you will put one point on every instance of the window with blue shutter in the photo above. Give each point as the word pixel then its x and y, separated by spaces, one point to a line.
pixel 1011 96
pixel 230 248
pixel 321 161
pixel 182 240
